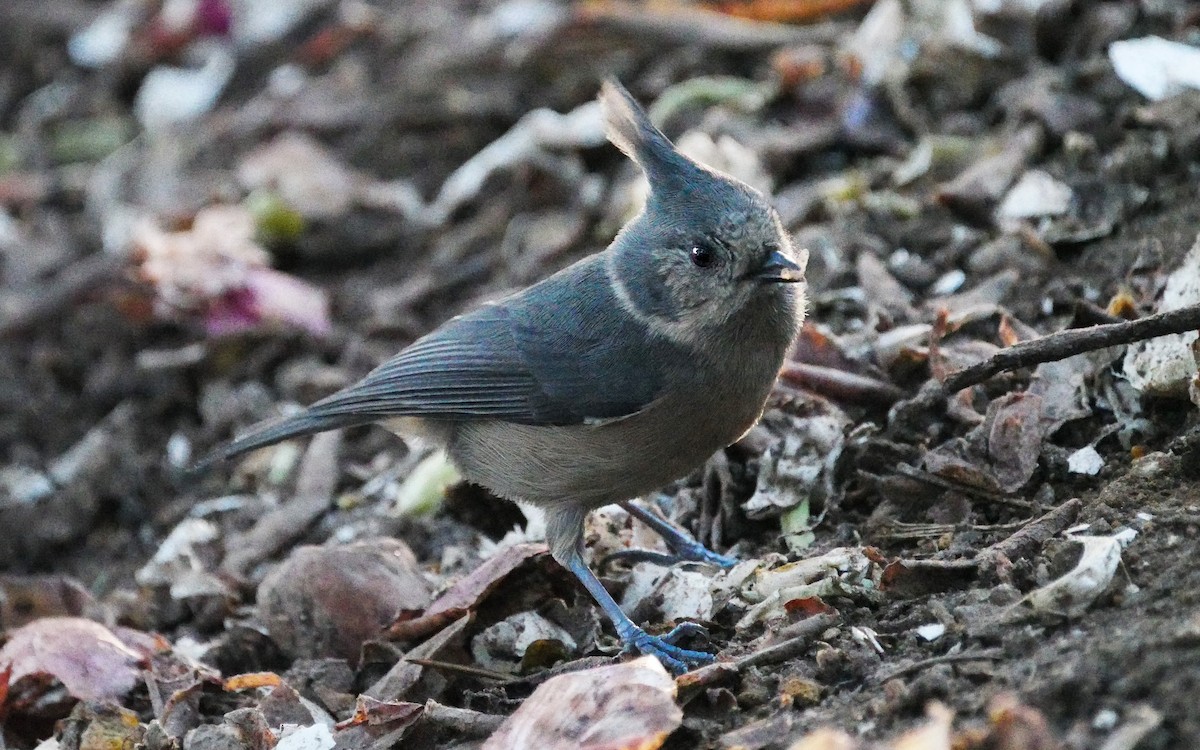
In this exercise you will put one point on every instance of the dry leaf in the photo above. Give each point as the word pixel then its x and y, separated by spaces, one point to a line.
pixel 327 601
pixel 628 706
pixel 305 175
pixel 217 271
pixel 465 595
pixel 252 680
pixel 24 599
pixel 373 712
pixel 1074 592
pixel 83 655
pixel 826 739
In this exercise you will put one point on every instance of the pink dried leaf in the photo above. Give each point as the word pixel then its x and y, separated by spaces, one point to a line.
pixel 86 657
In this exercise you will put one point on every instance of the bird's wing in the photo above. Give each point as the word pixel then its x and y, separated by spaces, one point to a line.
pixel 562 352
pixel 550 356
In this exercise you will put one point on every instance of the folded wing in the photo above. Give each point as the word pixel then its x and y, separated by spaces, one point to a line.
pixel 549 356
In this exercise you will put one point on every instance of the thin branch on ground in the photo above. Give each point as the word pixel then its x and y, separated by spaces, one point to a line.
pixel 988 655
pixel 1033 535
pixel 467 669
pixel 463 721
pixel 797 638
pixel 945 483
pixel 1063 344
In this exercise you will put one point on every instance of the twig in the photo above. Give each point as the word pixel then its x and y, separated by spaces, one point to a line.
pixel 917 666
pixel 1017 546
pixel 802 635
pixel 578 665
pixel 841 385
pixel 699 26
pixel 446 666
pixel 1068 343
pixel 461 721
pixel 948 484
pixel 1033 535
pixel 405 673
pixel 900 530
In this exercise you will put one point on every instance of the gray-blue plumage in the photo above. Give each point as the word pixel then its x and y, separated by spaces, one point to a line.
pixel 535 358
pixel 612 377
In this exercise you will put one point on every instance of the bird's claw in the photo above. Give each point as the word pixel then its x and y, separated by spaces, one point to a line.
pixel 685 630
pixel 686 548
pixel 697 552
pixel 677 660
pixel 694 552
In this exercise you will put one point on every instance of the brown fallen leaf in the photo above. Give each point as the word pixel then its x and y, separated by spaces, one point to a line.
pixel 1000 454
pixel 406 673
pixel 628 706
pixel 327 601
pixel 464 595
pixel 1016 726
pixel 785 11
pixel 808 606
pixel 368 710
pixel 86 657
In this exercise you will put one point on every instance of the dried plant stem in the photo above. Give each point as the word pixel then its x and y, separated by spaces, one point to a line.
pixel 1068 343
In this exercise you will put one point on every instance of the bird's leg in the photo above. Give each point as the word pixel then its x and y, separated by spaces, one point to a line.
pixel 564 531
pixel 685 547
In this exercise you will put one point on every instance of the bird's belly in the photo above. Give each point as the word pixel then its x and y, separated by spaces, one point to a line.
pixel 592 465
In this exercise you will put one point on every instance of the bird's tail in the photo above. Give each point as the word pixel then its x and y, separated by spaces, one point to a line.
pixel 275 431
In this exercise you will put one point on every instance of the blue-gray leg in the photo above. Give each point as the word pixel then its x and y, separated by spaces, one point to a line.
pixel 674 658
pixel 684 547
pixel 564 532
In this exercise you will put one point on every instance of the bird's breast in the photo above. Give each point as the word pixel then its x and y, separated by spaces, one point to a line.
pixel 596 464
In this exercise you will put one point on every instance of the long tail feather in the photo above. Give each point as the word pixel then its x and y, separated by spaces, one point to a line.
pixel 305 423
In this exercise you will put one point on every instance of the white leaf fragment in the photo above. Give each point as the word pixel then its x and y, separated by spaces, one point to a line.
pixel 171 95
pixel 836 561
pixel 1086 460
pixel 1036 194
pixel 1167 366
pixel 1155 67
pixel 315 737
pixel 498 646
pixel 1071 594
pixel 799 467
pixel 866 636
pixel 677 593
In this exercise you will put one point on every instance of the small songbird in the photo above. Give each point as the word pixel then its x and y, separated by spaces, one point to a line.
pixel 611 378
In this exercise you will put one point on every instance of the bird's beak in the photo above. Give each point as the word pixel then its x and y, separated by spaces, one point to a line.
pixel 780 269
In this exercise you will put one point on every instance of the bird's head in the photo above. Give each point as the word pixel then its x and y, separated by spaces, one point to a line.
pixel 706 245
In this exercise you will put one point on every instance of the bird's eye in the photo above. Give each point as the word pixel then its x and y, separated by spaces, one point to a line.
pixel 703 256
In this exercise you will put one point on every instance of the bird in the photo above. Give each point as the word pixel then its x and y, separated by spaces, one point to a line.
pixel 609 379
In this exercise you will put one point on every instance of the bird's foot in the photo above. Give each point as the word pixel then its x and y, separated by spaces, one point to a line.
pixel 693 552
pixel 677 660
pixel 684 547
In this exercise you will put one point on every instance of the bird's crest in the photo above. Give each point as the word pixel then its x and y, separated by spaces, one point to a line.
pixel 630 129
